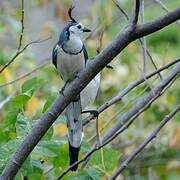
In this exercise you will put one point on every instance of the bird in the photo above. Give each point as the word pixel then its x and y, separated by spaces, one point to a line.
pixel 70 56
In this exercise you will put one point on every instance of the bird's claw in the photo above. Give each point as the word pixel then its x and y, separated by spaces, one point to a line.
pixel 95 113
pixel 63 88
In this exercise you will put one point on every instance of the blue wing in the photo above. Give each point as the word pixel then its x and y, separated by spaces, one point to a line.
pixel 54 55
pixel 85 53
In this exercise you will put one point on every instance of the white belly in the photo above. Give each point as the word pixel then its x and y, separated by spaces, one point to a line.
pixel 69 65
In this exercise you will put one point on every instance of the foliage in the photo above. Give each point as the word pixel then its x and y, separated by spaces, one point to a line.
pixel 30 97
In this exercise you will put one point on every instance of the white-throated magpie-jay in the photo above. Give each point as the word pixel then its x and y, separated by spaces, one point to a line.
pixel 69 57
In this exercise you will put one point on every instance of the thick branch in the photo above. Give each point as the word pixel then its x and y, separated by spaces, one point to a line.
pixel 164 7
pixel 145 142
pixel 74 88
pixel 148 28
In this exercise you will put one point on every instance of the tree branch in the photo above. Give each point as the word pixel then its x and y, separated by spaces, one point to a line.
pixel 22 25
pixel 140 104
pixel 145 142
pixel 141 107
pixel 122 10
pixel 125 91
pixel 128 35
pixel 20 52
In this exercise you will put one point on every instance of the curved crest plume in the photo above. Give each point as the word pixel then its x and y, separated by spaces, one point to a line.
pixel 70 13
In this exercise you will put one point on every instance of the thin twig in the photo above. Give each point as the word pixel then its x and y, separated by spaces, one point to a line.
pixel 39 66
pixel 132 100
pixel 144 45
pixel 5 101
pixel 145 142
pixel 21 51
pixel 151 59
pixel 22 25
pixel 134 17
pixel 100 40
pixel 100 143
pixel 122 10
pixel 125 91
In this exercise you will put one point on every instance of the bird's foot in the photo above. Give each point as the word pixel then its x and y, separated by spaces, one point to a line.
pixel 63 88
pixel 95 113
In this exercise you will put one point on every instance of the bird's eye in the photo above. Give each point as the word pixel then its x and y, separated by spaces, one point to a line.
pixel 79 26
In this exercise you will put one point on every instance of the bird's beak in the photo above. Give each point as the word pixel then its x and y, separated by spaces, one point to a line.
pixel 86 29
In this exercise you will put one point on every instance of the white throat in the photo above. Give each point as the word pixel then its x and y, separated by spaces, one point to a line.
pixel 74 44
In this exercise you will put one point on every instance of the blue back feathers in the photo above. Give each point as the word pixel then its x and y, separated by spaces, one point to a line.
pixel 64 36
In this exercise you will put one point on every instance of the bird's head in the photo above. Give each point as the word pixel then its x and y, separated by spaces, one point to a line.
pixel 70 39
pixel 75 27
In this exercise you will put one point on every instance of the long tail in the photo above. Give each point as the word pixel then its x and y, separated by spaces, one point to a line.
pixel 75 130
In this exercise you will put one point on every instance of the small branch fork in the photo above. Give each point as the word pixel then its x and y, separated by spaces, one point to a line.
pixel 20 49
pixel 121 41
pixel 152 136
pixel 20 39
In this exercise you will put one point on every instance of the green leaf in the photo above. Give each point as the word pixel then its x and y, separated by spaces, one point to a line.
pixel 111 158
pixel 20 100
pixel 49 101
pixel 48 134
pixel 2 58
pixel 25 170
pixel 93 173
pixel 7 127
pixel 22 125
pixel 32 84
pixel 6 151
pixel 45 151
pixel 62 160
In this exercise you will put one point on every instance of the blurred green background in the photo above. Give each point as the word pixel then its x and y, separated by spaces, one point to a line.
pixel 22 102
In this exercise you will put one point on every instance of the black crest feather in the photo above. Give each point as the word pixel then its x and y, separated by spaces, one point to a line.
pixel 70 14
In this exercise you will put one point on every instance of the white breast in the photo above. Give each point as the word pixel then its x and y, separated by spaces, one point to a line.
pixel 69 65
pixel 74 44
